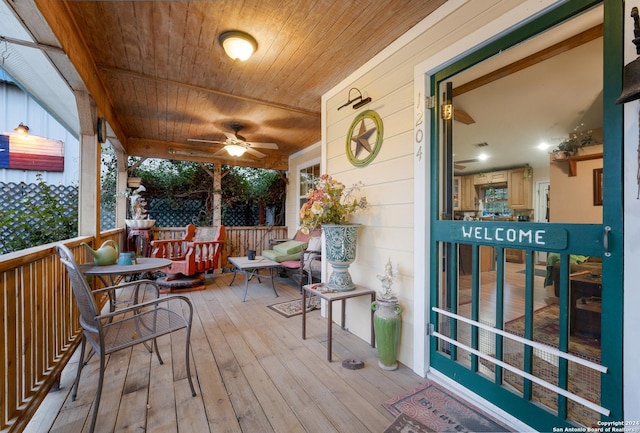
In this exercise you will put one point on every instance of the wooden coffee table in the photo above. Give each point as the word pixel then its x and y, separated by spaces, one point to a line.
pixel 251 268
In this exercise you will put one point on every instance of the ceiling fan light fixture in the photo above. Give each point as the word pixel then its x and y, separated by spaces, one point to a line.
pixel 235 149
pixel 238 45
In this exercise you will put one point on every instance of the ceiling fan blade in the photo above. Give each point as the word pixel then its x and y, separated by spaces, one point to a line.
pixel 255 153
pixel 462 117
pixel 459 167
pixel 230 136
pixel 204 141
pixel 466 161
pixel 221 152
pixel 262 145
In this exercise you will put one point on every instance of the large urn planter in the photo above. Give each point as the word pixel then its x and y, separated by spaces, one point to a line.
pixel 386 323
pixel 340 243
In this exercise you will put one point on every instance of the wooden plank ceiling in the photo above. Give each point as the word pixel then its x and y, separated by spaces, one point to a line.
pixel 159 75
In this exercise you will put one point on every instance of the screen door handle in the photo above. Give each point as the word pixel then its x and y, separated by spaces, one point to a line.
pixel 605 241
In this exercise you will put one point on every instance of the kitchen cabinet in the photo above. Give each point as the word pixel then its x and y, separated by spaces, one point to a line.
pixel 520 188
pixel 456 193
pixel 514 255
pixel 490 178
pixel 487 259
pixel 464 194
pixel 468 200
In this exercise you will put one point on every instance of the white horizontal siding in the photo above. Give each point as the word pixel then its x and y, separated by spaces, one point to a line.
pixel 389 226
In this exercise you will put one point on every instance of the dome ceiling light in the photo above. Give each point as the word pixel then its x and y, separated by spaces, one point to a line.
pixel 238 45
pixel 235 149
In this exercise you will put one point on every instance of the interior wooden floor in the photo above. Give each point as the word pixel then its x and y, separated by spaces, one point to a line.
pixel 252 370
pixel 514 293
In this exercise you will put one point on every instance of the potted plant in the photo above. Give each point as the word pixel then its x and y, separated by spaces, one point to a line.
pixel 572 145
pixel 134 182
pixel 329 205
pixel 329 202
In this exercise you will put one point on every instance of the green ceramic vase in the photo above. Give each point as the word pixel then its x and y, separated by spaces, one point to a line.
pixel 386 323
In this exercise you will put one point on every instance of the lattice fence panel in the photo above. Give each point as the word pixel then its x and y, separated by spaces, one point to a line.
pixel 176 213
pixel 241 216
pixel 12 198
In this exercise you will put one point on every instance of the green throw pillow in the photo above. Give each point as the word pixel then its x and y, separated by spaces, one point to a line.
pixel 278 257
pixel 290 247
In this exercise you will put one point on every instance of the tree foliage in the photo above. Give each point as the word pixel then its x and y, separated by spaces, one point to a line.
pixel 41 216
pixel 38 218
pixel 242 186
pixel 174 181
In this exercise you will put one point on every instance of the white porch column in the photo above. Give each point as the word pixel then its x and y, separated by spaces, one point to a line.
pixel 121 185
pixel 89 183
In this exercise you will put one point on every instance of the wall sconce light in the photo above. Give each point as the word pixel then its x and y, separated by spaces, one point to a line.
pixel 238 45
pixel 235 150
pixel 22 129
pixel 357 105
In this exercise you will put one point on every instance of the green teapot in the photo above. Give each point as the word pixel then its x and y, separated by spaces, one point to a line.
pixel 106 254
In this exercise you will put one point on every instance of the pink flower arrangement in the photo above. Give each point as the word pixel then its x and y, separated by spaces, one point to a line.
pixel 330 202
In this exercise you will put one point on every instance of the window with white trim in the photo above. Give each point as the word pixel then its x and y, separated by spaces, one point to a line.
pixel 306 178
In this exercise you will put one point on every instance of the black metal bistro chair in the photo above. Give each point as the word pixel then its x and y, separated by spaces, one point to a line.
pixel 139 322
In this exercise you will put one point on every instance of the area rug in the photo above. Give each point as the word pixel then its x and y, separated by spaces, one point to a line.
pixel 581 380
pixel 405 424
pixel 293 308
pixel 537 272
pixel 546 329
pixel 442 411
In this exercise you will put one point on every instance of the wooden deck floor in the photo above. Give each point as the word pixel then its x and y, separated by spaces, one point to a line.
pixel 252 371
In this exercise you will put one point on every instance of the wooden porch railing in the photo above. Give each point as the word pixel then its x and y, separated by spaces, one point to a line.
pixel 239 239
pixel 40 327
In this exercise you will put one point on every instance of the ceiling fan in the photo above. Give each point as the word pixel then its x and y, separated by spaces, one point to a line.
pixel 236 145
pixel 458 164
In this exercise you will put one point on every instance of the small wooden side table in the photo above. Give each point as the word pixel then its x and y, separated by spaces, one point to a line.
pixel 328 296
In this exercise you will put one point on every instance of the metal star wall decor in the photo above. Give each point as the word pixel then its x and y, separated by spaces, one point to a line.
pixel 364 138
